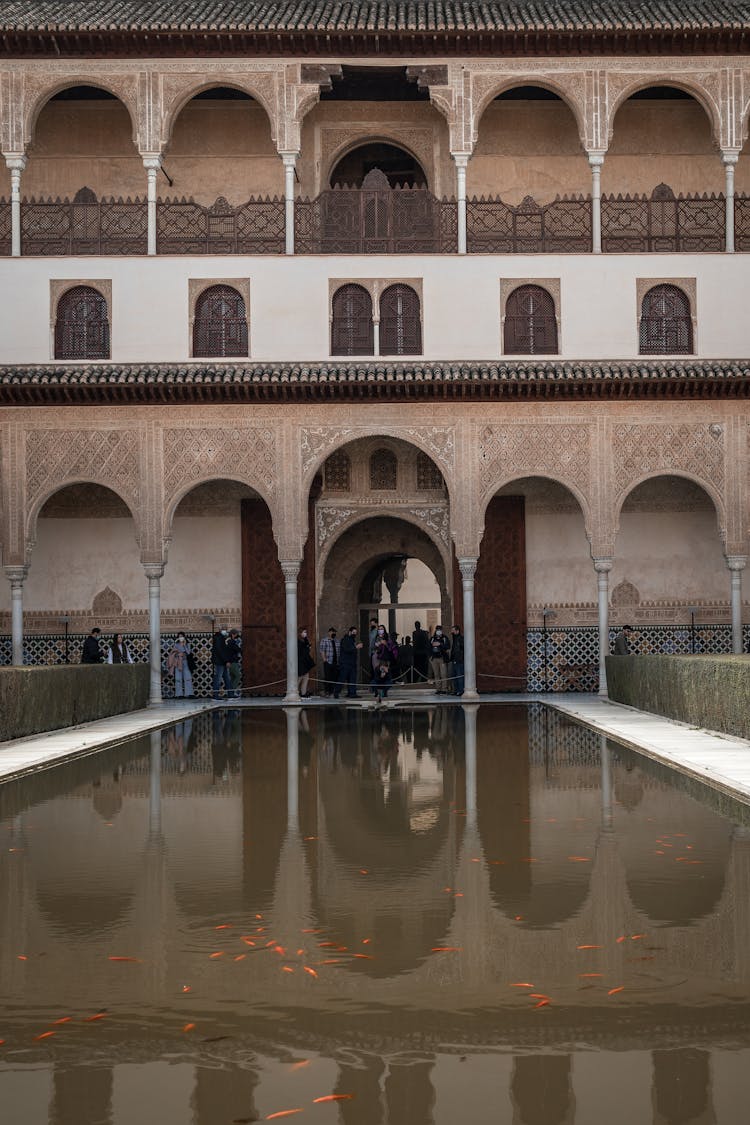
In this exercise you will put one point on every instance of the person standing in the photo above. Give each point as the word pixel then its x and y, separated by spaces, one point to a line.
pixel 220 661
pixel 457 659
pixel 179 664
pixel 348 655
pixel 622 642
pixel 421 642
pixel 234 648
pixel 329 651
pixel 118 651
pixel 305 663
pixel 406 660
pixel 439 651
pixel 91 653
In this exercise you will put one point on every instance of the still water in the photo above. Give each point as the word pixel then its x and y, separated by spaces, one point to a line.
pixel 412 916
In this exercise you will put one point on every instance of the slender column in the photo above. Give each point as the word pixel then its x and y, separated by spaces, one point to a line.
pixel 16 165
pixel 154 573
pixel 292 767
pixel 606 770
pixel 729 160
pixel 16 575
pixel 376 336
pixel 736 564
pixel 602 568
pixel 289 159
pixel 470 745
pixel 596 160
pixel 291 574
pixel 461 159
pixel 154 796
pixel 468 566
pixel 152 164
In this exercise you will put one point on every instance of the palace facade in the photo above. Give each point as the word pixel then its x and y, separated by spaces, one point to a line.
pixel 291 298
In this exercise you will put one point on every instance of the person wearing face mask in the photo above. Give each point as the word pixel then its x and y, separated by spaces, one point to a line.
pixel 220 659
pixel 439 649
pixel 180 663
pixel 305 662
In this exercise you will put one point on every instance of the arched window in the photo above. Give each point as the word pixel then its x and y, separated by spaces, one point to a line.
pixel 383 470
pixel 82 325
pixel 220 325
pixel 352 329
pixel 400 321
pixel 429 476
pixel 337 473
pixel 666 325
pixel 530 323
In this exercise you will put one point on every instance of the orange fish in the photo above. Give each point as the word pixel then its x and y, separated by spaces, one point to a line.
pixel 366 940
pixel 187 988
pixel 283 1113
pixel 300 952
pixel 96 1016
pixel 588 947
pixel 621 939
pixel 259 916
pixel 324 944
pixel 280 950
pixel 539 996
pixel 134 959
pixel 542 1004
pixel 363 871
pixel 364 956
pixel 189 1027
pixel 612 991
pixel 334 1098
pixel 330 961
pixel 459 894
pixel 224 926
pixel 300 1064
pixel 287 969
pixel 240 957
pixel 579 859
pixel 248 941
pixel 309 931
pixel 213 956
pixel 309 970
pixel 519 918
pixel 63 1019
pixel 22 957
pixel 44 1035
pixel 446 949
pixel 308 838
pixel 522 984
pixel 636 937
pixel 591 974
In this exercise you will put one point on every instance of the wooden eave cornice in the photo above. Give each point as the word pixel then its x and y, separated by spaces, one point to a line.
pixel 371 43
pixel 342 382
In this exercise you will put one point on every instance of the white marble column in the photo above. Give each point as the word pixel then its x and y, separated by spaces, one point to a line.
pixel 154 573
pixel 16 163
pixel 602 566
pixel 291 574
pixel 289 160
pixel 154 795
pixel 729 160
pixel 470 732
pixel 292 767
pixel 468 566
pixel 461 160
pixel 596 160
pixel 736 564
pixel 152 164
pixel 606 781
pixel 16 575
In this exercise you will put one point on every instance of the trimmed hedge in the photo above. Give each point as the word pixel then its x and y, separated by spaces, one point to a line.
pixel 33 700
pixel 705 691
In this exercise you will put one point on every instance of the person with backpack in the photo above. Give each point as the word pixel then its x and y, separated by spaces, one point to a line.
pixel 439 653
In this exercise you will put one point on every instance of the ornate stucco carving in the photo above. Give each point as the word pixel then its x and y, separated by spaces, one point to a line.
pixel 193 453
pixel 108 457
pixel 329 520
pixel 319 439
pixel 436 518
pixel 644 449
pixel 562 449
pixel 438 441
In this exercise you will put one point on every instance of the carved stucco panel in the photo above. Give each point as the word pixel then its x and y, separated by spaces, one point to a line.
pixel 694 448
pixel 194 454
pixel 177 87
pixel 439 441
pixel 562 449
pixel 329 520
pixel 318 439
pixel 40 85
pixel 621 83
pixel 436 519
pixel 108 457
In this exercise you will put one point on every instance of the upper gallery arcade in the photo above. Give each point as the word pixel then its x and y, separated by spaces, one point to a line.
pixel 316 289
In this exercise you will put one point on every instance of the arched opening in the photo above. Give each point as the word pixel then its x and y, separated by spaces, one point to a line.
pixel 221 146
pixel 669 579
pixel 528 144
pixel 82 329
pixel 220 534
pixel 400 168
pixel 83 137
pixel 220 323
pixel 85 571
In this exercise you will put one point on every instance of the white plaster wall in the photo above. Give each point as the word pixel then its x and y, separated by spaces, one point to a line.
pixel 204 567
pixel 74 559
pixel 672 555
pixel 461 302
pixel 559 569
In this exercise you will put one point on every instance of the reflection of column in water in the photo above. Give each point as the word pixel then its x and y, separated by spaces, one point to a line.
pixel 292 766
pixel 541 1089
pixel 154 801
pixel 410 1092
pixel 682 1087
pixel 220 1093
pixel 606 768
pixel 362 1077
pixel 470 714
pixel 81 1093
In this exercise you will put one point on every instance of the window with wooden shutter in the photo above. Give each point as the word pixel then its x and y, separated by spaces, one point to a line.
pixel 220 324
pixel 530 322
pixel 429 477
pixel 82 325
pixel 666 324
pixel 383 470
pixel 337 473
pixel 400 321
pixel 352 330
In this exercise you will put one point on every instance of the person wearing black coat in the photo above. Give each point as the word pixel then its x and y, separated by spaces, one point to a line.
pixel 421 641
pixel 305 662
pixel 91 653
pixel 348 657
pixel 457 659
pixel 220 659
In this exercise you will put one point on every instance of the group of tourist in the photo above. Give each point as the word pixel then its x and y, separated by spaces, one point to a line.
pixel 437 658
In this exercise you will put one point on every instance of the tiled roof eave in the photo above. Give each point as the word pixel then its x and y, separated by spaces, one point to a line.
pixel 374 380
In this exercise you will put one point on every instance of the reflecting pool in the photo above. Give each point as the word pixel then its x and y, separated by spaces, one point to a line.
pixel 407 916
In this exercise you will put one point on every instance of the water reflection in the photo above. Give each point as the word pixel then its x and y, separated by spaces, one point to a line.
pixel 269 908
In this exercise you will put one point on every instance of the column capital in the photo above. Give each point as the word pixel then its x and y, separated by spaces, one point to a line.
pixel 153 571
pixel 289 159
pixel 290 569
pixel 596 158
pixel 152 160
pixel 16 575
pixel 736 562
pixel 730 155
pixel 461 158
pixel 16 161
pixel 467 564
pixel 603 564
